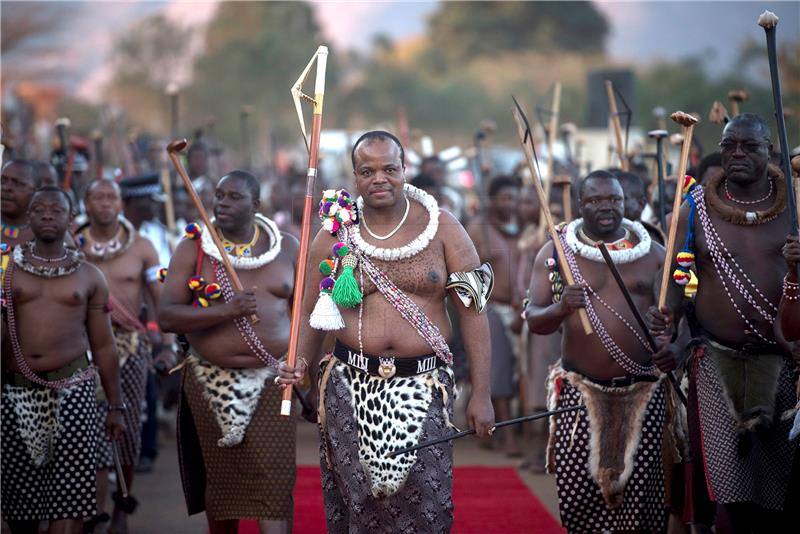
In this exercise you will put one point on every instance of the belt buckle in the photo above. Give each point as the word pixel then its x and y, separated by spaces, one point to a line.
pixel 387 369
pixel 620 381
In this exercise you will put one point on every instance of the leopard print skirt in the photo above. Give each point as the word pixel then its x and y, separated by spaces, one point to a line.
pixel 363 418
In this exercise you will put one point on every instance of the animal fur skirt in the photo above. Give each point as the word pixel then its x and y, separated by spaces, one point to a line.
pixel 362 419
pixel 236 452
pixel 48 461
pixel 608 459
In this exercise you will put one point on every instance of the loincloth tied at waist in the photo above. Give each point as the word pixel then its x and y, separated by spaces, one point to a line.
pixel 38 408
pixel 749 379
pixel 389 414
pixel 232 394
pixel 615 415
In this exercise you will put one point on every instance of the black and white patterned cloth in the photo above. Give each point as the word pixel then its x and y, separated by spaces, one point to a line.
pixel 64 486
pixel 759 473
pixel 133 385
pixel 580 501
pixel 424 503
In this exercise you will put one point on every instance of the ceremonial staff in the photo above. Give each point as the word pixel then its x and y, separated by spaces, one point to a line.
pixel 688 122
pixel 636 314
pixel 97 137
pixel 736 97
pixel 769 21
pixel 718 114
pixel 67 154
pixel 173 149
pixel 614 112
pixel 659 136
pixel 244 126
pixel 551 136
pixel 321 57
pixel 526 139
pixel 565 181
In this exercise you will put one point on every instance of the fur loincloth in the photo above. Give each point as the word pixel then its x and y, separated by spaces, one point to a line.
pixel 615 421
pixel 232 395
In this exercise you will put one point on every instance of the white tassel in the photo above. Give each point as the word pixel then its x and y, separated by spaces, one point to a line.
pixel 326 315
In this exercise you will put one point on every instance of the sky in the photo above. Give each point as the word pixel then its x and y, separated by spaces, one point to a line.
pixel 640 31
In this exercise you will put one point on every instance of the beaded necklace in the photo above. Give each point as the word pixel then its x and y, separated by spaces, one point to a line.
pixel 616 353
pixel 46 271
pixel 243 250
pixel 16 347
pixel 723 261
pixel 99 251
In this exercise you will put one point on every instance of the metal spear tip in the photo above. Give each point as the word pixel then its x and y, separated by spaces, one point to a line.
pixel 63 121
pixel 768 20
pixel 738 95
pixel 718 113
pixel 177 146
pixel 657 134
pixel 172 89
pixel 684 119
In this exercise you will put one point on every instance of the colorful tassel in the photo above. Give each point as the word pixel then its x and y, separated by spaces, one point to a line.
pixel 340 249
pixel 346 292
pixel 162 275
pixel 196 282
pixel 326 267
pixel 681 277
pixel 685 259
pixel 688 183
pixel 4 248
pixel 192 231
pixel 212 291
pixel 326 315
pixel 200 302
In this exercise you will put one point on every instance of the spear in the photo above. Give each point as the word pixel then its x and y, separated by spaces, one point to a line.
pixel 769 21
pixel 659 136
pixel 614 112
pixel 526 138
pixel 551 136
pixel 736 97
pixel 321 57
pixel 97 137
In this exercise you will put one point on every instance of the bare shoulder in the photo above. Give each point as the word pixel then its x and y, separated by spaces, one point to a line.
pixel 545 252
pixel 450 227
pixel 93 276
pixel 322 242
pixel 657 252
pixel 185 252
pixel 144 246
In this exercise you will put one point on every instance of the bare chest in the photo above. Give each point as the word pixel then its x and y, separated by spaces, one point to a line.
pixel 275 278
pixel 29 290
pixel 423 274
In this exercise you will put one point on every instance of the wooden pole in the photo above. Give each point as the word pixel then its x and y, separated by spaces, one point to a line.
pixel 524 131
pixel 173 149
pixel 565 182
pixel 551 136
pixel 321 57
pixel 614 114
pixel 688 122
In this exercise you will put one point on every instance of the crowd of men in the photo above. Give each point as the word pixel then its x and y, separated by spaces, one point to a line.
pixel 403 302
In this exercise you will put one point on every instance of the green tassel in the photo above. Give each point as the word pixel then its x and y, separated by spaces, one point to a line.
pixel 346 292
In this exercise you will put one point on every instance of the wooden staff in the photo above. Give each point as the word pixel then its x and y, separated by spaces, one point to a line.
pixel 736 97
pixel 659 136
pixel 97 137
pixel 169 204
pixel 636 314
pixel 552 132
pixel 173 149
pixel 244 126
pixel 172 93
pixel 402 126
pixel 688 122
pixel 321 57
pixel 769 21
pixel 67 154
pixel 524 132
pixel 565 182
pixel 718 114
pixel 614 114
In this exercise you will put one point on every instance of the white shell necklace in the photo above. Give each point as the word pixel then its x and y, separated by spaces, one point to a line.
pixel 417 245
pixel 396 228
pixel 592 253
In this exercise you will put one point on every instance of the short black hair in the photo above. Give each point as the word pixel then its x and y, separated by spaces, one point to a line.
pixel 377 135
pixel 503 180
pixel 423 181
pixel 53 189
pixel 751 119
pixel 713 159
pixel 632 180
pixel 30 170
pixel 250 181
pixel 595 175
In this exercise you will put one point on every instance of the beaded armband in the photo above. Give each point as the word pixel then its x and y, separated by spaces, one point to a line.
pixel 791 290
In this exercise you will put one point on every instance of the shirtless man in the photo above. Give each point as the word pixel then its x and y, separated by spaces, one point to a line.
pixel 19 181
pixel 742 371
pixel 604 484
pixel 130 265
pixel 391 358
pixel 496 238
pixel 247 466
pixel 55 309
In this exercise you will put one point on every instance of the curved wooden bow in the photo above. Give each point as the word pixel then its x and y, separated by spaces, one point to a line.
pixel 321 57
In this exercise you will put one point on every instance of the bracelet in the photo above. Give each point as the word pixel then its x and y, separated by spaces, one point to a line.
pixel 121 407
pixel 791 290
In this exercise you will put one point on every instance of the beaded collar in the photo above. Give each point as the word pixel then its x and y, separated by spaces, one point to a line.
pixel 24 250
pixel 626 255
pixel 743 217
pixel 98 251
pixel 416 246
pixel 248 262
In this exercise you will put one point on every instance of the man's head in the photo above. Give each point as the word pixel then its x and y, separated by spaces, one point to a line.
pixel 745 149
pixel 504 197
pixel 529 206
pixel 197 159
pixel 141 197
pixel 46 173
pixel 602 203
pixel 708 167
pixel 379 168
pixel 236 200
pixel 49 213
pixel 19 181
pixel 427 183
pixel 103 202
pixel 635 194
pixel 435 168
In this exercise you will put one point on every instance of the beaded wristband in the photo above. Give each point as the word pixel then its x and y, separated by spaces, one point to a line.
pixel 791 290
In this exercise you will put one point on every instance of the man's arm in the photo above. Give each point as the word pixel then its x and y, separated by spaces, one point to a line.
pixel 163 342
pixel 461 255
pixel 104 352
pixel 175 310
pixel 789 311
pixel 543 315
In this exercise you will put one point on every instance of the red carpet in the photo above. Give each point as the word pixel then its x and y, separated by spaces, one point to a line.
pixel 487 500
